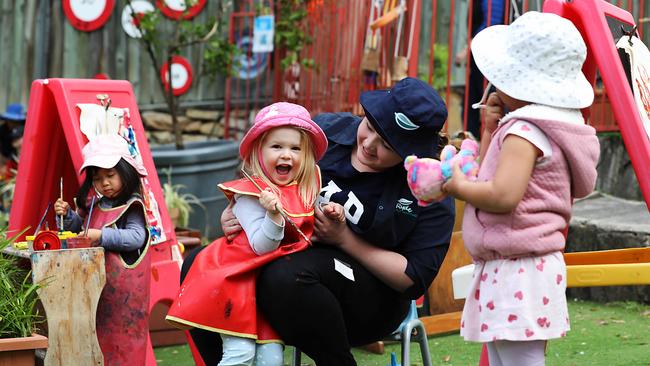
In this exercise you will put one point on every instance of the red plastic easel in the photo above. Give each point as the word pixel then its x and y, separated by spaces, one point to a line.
pixel 52 149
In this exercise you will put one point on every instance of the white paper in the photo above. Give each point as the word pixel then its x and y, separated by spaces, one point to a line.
pixel 343 269
pixel 263 31
pixel 640 70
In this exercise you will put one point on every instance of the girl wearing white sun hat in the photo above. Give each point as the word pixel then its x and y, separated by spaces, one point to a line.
pixel 540 156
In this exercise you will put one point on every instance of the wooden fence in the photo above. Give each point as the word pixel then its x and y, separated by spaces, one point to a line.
pixel 37 41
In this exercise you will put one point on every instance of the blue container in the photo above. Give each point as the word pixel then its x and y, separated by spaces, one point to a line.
pixel 200 167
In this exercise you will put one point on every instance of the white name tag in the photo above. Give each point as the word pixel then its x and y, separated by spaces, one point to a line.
pixel 343 269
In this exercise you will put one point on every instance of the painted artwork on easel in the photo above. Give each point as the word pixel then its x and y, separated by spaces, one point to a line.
pixel 639 58
pixel 64 114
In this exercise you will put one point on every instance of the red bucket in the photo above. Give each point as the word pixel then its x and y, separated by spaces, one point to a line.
pixel 78 242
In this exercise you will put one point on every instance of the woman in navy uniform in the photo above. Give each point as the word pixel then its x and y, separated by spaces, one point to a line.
pixel 355 284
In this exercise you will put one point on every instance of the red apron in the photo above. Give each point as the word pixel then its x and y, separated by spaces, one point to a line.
pixel 123 309
pixel 218 293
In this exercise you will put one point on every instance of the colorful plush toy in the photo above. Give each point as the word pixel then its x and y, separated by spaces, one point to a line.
pixel 426 176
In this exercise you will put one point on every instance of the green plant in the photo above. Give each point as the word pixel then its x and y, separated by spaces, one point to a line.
pixel 17 296
pixel 440 57
pixel 162 45
pixel 180 202
pixel 290 32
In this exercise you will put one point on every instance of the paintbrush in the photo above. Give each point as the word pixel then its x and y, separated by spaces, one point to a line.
pixel 284 214
pixel 61 197
pixel 38 228
pixel 90 213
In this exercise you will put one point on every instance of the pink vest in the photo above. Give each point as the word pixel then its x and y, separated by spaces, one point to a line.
pixel 123 309
pixel 535 227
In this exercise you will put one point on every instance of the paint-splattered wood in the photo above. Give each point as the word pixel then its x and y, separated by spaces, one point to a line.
pixel 73 280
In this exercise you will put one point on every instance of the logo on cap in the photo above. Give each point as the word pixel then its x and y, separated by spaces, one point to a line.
pixel 404 122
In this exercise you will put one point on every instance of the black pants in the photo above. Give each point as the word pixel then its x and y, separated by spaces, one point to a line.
pixel 323 313
pixel 316 308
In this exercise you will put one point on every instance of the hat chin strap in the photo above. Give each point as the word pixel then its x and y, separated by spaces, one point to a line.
pixel 260 157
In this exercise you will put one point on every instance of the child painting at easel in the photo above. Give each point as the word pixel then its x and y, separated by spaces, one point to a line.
pixel 109 203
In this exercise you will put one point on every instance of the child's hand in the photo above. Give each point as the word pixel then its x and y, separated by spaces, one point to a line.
pixel 334 211
pixel 492 112
pixel 328 229
pixel 95 235
pixel 269 200
pixel 454 185
pixel 61 207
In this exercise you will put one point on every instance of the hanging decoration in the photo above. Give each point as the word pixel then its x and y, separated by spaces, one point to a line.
pixel 175 9
pixel 129 23
pixel 181 75
pixel 88 15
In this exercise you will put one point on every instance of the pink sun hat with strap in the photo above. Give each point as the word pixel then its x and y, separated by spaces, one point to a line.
pixel 283 114
pixel 104 151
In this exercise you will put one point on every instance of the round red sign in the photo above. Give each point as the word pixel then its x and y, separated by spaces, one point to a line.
pixel 181 75
pixel 88 15
pixel 176 9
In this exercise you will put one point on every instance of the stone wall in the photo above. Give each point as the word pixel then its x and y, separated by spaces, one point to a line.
pixel 617 222
pixel 615 173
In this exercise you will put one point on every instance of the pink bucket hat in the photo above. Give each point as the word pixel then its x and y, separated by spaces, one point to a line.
pixel 283 114
pixel 104 151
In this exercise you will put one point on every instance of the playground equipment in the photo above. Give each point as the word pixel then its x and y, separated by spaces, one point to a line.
pixel 54 137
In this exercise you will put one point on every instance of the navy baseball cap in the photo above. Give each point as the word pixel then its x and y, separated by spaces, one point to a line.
pixel 408 117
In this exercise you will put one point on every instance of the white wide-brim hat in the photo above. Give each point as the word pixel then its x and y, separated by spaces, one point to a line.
pixel 538 58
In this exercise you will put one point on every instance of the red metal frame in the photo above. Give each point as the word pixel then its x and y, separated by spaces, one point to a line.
pixel 589 18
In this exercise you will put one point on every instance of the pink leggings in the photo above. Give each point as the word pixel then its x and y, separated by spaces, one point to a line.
pixel 511 353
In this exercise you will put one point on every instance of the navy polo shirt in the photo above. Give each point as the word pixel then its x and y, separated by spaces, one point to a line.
pixel 380 208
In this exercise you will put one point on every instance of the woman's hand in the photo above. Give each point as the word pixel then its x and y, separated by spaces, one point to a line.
pixel 61 207
pixel 229 223
pixel 329 229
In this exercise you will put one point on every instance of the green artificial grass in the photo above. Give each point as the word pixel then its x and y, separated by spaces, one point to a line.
pixel 601 334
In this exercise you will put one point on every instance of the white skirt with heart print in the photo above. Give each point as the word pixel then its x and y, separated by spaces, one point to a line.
pixel 520 299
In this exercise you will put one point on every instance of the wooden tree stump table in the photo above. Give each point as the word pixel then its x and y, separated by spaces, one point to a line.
pixel 73 281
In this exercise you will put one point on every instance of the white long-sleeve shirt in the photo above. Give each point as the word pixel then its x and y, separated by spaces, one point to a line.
pixel 264 235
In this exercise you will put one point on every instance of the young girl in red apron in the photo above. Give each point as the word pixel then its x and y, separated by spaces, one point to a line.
pixel 218 294
pixel 118 224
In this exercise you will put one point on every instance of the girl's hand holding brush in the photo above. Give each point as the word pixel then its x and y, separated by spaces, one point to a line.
pixel 61 207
